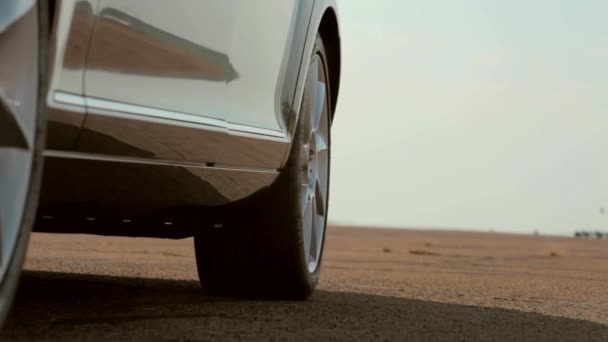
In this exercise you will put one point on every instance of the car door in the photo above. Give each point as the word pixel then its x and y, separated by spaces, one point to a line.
pixel 71 32
pixel 195 80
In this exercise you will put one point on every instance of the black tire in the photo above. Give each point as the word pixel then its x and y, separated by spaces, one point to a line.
pixel 259 252
pixel 9 282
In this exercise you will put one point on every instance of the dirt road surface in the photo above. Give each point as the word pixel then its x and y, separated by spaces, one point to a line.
pixel 376 284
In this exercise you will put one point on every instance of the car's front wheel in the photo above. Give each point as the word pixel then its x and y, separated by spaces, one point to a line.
pixel 273 247
pixel 22 64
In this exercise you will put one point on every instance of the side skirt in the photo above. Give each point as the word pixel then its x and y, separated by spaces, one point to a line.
pixel 88 193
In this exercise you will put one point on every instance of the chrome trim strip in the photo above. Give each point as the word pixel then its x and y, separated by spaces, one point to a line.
pixel 96 103
pixel 68 98
pixel 178 163
pixel 232 127
pixel 114 106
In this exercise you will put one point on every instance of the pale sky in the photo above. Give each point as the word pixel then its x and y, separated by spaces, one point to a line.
pixel 487 114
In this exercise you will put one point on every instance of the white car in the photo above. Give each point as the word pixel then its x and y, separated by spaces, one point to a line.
pixel 172 119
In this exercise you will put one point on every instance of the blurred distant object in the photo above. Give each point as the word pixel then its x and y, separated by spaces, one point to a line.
pixel 597 234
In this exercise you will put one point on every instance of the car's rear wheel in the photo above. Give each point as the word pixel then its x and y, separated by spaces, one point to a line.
pixel 22 47
pixel 272 246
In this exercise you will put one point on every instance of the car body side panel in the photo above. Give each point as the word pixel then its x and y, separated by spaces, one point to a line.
pixel 69 41
pixel 147 158
pixel 137 197
pixel 127 135
pixel 146 185
pixel 213 59
pixel 213 66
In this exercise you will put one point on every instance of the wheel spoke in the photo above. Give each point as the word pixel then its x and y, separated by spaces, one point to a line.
pixel 320 225
pixel 320 197
pixel 307 227
pixel 13 184
pixel 320 92
pixel 321 142
pixel 305 197
pixel 313 72
pixel 314 246
pixel 323 167
pixel 11 132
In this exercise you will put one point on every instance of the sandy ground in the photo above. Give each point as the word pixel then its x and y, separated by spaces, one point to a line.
pixel 375 285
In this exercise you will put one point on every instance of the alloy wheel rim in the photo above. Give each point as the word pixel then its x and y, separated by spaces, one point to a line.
pixel 315 164
pixel 18 97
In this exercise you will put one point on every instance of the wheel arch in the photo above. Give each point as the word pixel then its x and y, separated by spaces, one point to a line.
pixel 324 20
pixel 330 33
